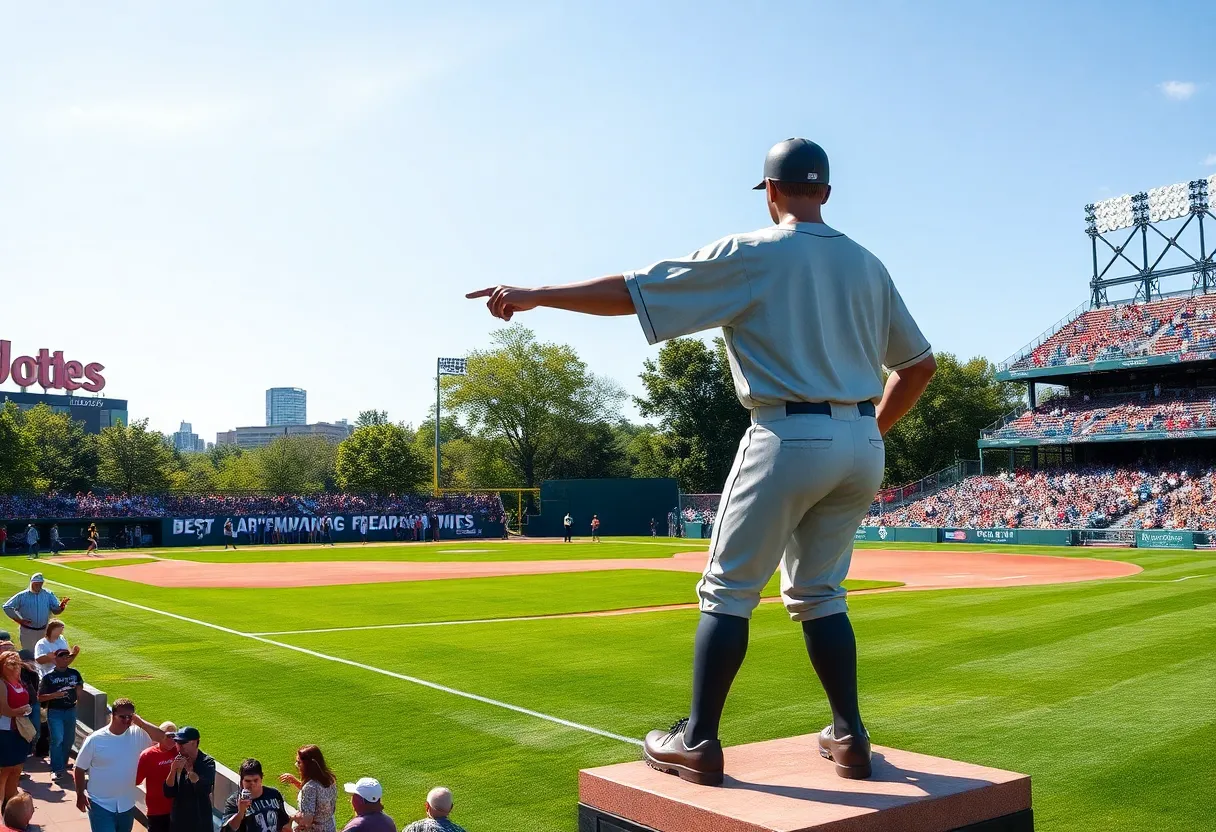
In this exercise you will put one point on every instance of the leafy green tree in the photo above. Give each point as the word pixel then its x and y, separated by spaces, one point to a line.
pixel 962 399
pixel 537 398
pixel 133 459
pixel 381 459
pixel 297 464
pixel 239 472
pixel 64 456
pixel 17 470
pixel 690 392
pixel 197 474
pixel 371 417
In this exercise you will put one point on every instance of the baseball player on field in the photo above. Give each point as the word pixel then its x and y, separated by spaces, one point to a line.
pixel 810 319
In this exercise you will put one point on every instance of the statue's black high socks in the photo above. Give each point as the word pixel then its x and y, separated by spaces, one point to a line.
pixel 718 654
pixel 833 650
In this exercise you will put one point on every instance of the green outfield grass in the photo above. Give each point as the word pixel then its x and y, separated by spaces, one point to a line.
pixel 1101 690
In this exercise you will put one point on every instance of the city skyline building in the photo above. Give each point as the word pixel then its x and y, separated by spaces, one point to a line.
pixel 286 406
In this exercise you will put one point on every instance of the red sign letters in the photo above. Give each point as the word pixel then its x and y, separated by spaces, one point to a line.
pixel 49 371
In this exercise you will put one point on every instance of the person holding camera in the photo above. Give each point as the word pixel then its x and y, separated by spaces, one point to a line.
pixel 256 807
pixel 59 692
pixel 190 782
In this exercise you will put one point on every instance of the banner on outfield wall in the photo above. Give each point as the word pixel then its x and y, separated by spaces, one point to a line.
pixel 979 536
pixel 1164 539
pixel 901 534
pixel 205 531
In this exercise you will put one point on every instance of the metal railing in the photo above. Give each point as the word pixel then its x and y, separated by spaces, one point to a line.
pixel 889 498
pixel 1025 351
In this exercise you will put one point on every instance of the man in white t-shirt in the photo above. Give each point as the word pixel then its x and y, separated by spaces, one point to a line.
pixel 109 758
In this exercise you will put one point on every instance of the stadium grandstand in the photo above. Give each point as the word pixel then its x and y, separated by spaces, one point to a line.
pixel 1124 435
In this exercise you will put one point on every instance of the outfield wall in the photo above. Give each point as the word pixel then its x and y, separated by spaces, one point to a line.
pixel 1143 538
pixel 251 530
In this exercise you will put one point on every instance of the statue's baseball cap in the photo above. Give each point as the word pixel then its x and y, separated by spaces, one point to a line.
pixel 795 160
pixel 36 578
pixel 367 788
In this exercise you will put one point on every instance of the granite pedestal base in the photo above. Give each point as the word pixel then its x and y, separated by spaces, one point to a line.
pixel 785 786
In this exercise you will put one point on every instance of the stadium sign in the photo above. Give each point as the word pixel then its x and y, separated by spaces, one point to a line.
pixel 195 531
pixel 49 371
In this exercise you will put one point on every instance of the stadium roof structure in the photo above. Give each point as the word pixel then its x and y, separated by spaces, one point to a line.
pixel 1163 234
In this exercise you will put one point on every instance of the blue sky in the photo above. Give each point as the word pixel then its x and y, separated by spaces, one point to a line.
pixel 215 198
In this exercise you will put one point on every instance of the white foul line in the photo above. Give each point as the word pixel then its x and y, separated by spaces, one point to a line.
pixel 412 679
pixel 1164 581
pixel 421 624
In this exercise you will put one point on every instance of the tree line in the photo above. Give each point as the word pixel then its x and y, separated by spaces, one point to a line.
pixel 527 411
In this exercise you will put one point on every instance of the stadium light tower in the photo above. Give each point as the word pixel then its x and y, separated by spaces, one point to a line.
pixel 1187 248
pixel 445 367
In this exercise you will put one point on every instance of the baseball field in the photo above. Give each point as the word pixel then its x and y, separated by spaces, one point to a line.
pixel 454 664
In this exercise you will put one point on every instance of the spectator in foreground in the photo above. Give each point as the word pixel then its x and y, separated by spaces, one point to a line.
pixel 14 705
pixel 365 799
pixel 153 770
pixel 189 783
pixel 438 807
pixel 32 609
pixel 59 691
pixel 318 791
pixel 49 645
pixel 19 812
pixel 106 766
pixel 257 807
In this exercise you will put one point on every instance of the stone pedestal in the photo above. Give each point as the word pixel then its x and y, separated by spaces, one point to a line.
pixel 785 786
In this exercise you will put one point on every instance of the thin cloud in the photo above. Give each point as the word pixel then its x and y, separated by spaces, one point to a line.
pixel 1210 160
pixel 144 118
pixel 1178 90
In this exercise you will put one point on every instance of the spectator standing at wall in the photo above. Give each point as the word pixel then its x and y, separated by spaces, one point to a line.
pixel 59 691
pixel 14 705
pixel 595 528
pixel 49 645
pixel 31 542
pixel 56 544
pixel 257 807
pixel 318 791
pixel 438 807
pixel 152 771
pixel 229 534
pixel 189 783
pixel 138 536
pixel 3 540
pixel 106 767
pixel 567 527
pixel 32 608
pixel 366 799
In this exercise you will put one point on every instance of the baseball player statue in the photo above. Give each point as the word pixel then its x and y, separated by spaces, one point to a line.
pixel 810 319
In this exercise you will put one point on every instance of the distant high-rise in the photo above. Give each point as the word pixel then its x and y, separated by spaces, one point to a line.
pixel 187 441
pixel 286 406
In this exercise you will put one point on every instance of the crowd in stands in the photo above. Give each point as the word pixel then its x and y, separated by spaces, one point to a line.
pixel 1079 417
pixel 56 505
pixel 1045 499
pixel 38 720
pixel 1192 505
pixel 1177 325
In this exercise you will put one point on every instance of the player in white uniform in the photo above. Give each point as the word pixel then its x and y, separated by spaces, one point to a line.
pixel 810 318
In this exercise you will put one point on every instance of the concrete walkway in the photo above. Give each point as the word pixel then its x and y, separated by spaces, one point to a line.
pixel 54 802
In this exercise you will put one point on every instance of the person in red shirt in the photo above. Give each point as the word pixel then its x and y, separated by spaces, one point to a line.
pixel 14 748
pixel 152 770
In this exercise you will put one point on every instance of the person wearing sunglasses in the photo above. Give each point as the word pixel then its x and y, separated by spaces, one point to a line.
pixel 109 759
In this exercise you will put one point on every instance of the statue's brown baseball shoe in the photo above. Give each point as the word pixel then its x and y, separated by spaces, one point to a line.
pixel 850 754
pixel 665 751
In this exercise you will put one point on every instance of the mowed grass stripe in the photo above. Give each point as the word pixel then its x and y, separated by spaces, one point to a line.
pixel 350 663
pixel 249 698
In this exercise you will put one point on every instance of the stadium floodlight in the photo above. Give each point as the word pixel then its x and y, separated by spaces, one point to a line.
pixel 444 367
pixel 453 367
pixel 1113 214
pixel 1169 202
pixel 1201 190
